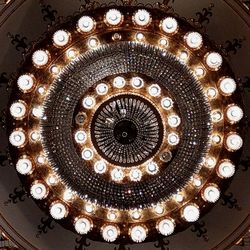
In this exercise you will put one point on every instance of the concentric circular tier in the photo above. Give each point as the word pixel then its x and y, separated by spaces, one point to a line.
pixel 106 61
pixel 127 130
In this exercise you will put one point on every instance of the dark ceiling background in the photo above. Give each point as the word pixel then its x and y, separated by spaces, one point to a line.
pixel 227 22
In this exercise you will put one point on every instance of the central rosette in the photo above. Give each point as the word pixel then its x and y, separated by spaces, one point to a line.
pixel 127 130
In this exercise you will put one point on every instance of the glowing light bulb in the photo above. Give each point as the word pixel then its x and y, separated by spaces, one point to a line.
pixel 83 225
pixel 24 166
pixel 112 215
pixel 136 214
pixel 211 93
pixel 26 82
pixel 80 136
pixel 93 43
pixel 58 210
pixel 139 36
pixel 86 24
pixel 117 174
pixel 100 167
pixel 159 209
pixel 199 71
pixel 193 40
pixel 152 168
pixel 163 42
pixel 154 90
pixel 110 232
pixel 142 18
pixel 119 82
pixel 183 56
pixel 55 70
pixel 191 213
pixel 113 17
pixel 233 142
pixel 72 53
pixel 227 86
pixel 37 112
pixel 210 162
pixel 40 58
pixel 61 38
pixel 17 138
pixel 226 169
pixel 102 89
pixel 234 113
pixel 35 136
pixel 166 227
pixel 167 103
pixel 211 193
pixel 169 25
pixel 173 139
pixel 87 154
pixel 89 102
pixel 18 110
pixel 89 208
pixel 138 233
pixel 135 175
pixel 174 121
pixel 137 82
pixel 216 116
pixel 214 60
pixel 38 191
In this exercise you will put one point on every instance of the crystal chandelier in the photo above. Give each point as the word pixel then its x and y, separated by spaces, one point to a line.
pixel 126 122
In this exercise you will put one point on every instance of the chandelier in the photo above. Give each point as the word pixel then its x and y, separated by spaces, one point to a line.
pixel 125 122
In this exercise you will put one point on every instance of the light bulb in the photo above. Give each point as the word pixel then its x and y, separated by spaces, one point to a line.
pixel 234 113
pixel 26 82
pixel 83 225
pixel 38 191
pixel 61 38
pixel 191 213
pixel 169 25
pixel 226 169
pixel 211 193
pixel 110 232
pixel 18 110
pixel 117 174
pixel 87 154
pixel 166 227
pixel 233 142
pixel 227 86
pixel 100 167
pixel 113 17
pixel 193 40
pixel 24 166
pixel 40 58
pixel 138 233
pixel 58 210
pixel 154 90
pixel 152 168
pixel 17 138
pixel 86 24
pixel 119 82
pixel 142 18
pixel 214 60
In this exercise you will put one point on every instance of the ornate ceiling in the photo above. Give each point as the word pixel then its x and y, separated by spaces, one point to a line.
pixel 23 23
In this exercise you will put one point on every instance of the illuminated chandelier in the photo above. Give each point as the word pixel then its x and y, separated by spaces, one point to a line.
pixel 125 122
